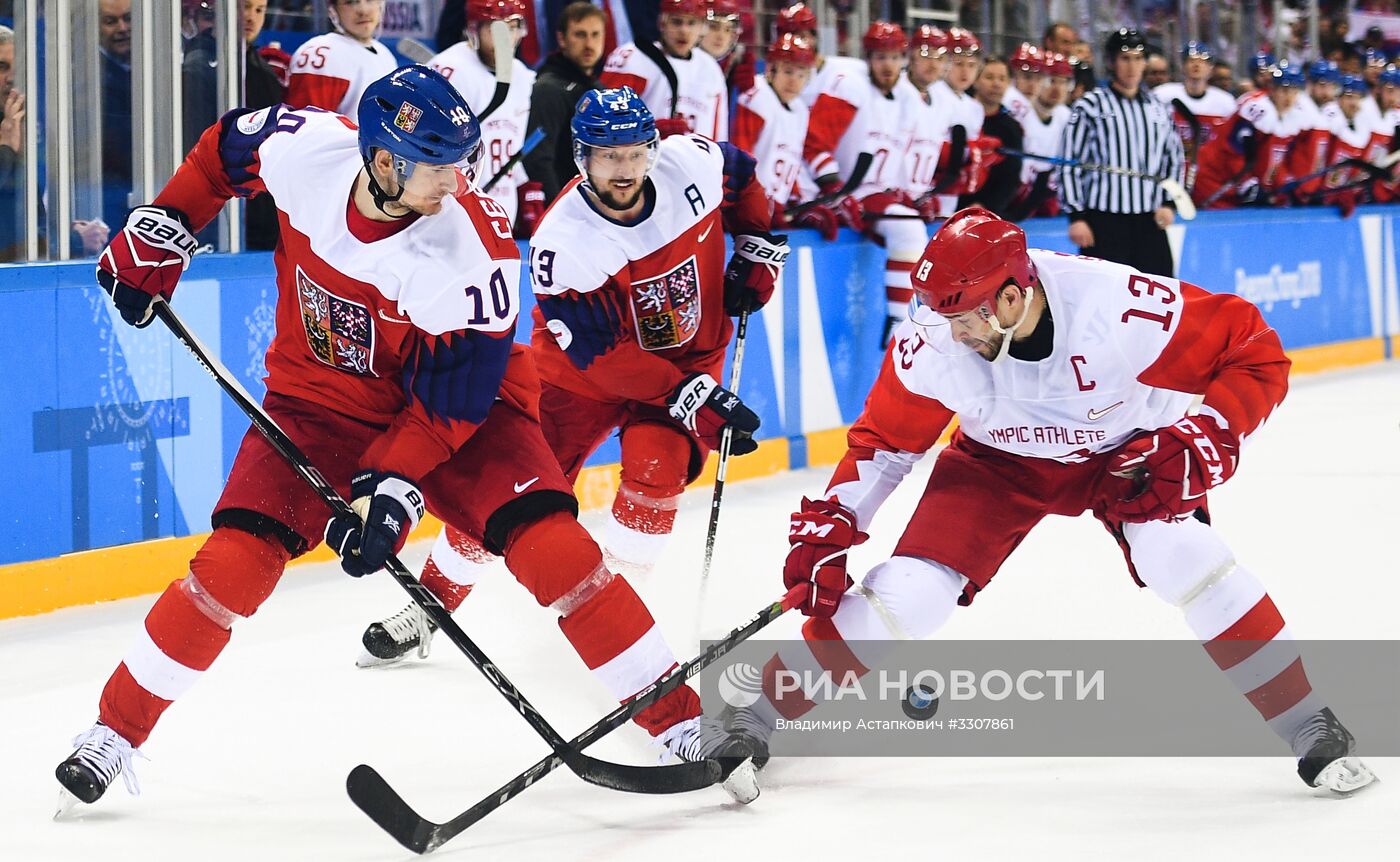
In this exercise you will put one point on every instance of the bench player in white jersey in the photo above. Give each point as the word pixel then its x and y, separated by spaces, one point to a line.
pixel 467 65
pixel 928 52
pixel 331 71
pixel 395 373
pixel 966 153
pixel 1043 130
pixel 870 112
pixel 701 101
pixel 1211 106
pixel 1027 65
pixel 1073 380
pixel 770 123
pixel 632 323
pixel 799 20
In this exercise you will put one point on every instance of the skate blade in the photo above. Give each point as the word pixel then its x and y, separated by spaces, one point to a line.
pixel 1345 775
pixel 742 783
pixel 66 803
pixel 366 659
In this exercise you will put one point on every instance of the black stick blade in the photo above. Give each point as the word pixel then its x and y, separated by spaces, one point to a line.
pixel 373 795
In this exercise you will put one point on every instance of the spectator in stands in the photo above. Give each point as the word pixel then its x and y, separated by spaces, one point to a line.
pixel 200 70
pixel 1158 70
pixel 1059 38
pixel 263 85
pixel 563 79
pixel 114 39
pixel 1004 178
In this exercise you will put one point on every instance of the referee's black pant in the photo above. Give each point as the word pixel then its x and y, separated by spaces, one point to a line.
pixel 1132 239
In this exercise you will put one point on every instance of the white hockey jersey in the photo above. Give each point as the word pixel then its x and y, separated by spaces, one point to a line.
pixel 1043 138
pixel 1018 105
pixel 773 133
pixel 331 71
pixel 831 68
pixel 1212 108
pixel 703 99
pixel 502 133
pixel 928 133
pixel 957 109
pixel 854 117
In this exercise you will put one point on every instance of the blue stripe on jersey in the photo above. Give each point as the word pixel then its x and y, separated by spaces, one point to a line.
pixel 739 169
pixel 594 322
pixel 238 149
pixel 457 375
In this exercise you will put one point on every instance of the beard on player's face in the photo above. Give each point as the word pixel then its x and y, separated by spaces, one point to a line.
pixel 618 194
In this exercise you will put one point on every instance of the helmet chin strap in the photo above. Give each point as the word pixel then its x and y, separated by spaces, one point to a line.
pixel 1007 332
pixel 381 197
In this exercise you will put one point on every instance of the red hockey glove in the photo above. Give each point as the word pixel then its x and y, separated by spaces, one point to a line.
pixel 754 269
pixel 1169 471
pixel 279 60
pixel 530 210
pixel 669 126
pixel 387 507
pixel 821 218
pixel 145 260
pixel 705 408
pixel 880 202
pixel 821 533
pixel 848 210
pixel 982 156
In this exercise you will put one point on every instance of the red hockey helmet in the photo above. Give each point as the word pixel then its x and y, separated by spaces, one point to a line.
pixel 796 18
pixel 961 41
pixel 496 10
pixel 929 41
pixel 721 10
pixel 971 257
pixel 1027 58
pixel 884 36
pixel 689 8
pixel 1058 66
pixel 792 48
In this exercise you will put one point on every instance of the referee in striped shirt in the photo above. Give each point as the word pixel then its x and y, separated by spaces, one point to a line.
pixel 1114 217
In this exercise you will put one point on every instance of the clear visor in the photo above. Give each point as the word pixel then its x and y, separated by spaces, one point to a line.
pixel 434 180
pixel 943 332
pixel 608 164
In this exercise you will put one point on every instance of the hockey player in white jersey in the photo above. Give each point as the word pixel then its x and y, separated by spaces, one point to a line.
pixel 770 122
pixel 799 20
pixel 1027 65
pixel 700 101
pixel 467 65
pixel 1073 380
pixel 1043 129
pixel 967 154
pixel 1211 106
pixel 331 71
pixel 928 54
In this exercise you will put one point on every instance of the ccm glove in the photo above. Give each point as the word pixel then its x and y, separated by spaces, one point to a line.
pixel 754 269
pixel 821 533
pixel 386 509
pixel 705 409
pixel 530 209
pixel 1169 470
pixel 145 260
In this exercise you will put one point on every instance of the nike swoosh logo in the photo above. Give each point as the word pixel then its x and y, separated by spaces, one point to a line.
pixel 383 316
pixel 707 232
pixel 1096 415
pixel 521 486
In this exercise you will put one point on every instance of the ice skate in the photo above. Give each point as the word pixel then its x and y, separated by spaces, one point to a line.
pixel 391 639
pixel 745 723
pixel 705 738
pixel 101 755
pixel 1325 755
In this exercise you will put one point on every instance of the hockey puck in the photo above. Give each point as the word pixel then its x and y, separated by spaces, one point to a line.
pixel 919 703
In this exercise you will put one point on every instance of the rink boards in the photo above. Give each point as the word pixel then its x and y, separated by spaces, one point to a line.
pixel 117 444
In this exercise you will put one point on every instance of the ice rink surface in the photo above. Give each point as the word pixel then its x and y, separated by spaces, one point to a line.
pixel 251 763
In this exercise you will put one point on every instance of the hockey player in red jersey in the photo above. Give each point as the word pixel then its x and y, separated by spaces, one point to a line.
pixel 631 327
pixel 467 65
pixel 1073 380
pixel 331 71
pixel 395 372
pixel 1211 106
pixel 871 113
pixel 770 123
pixel 700 102
pixel 1248 156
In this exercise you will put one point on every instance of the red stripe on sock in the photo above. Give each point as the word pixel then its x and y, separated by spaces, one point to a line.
pixel 1283 692
pixel 831 650
pixel 448 591
pixel 128 708
pixel 183 632
pixel 607 624
pixel 1247 635
pixel 790 704
pixel 900 265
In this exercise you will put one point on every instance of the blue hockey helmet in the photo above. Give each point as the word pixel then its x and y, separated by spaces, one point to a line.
pixel 1390 76
pixel 1353 84
pixel 1324 71
pixel 415 115
pixel 1287 75
pixel 612 118
pixel 1196 50
pixel 1374 57
pixel 1260 61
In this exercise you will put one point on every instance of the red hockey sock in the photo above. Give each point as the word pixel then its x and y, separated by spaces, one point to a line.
pixel 453 567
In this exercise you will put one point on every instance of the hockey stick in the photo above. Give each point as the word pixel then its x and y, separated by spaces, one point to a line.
pixel 414 50
pixel 858 172
pixel 376 798
pixel 503 49
pixel 1195 123
pixel 640 779
pixel 654 53
pixel 1377 171
pixel 531 141
pixel 725 441
pixel 1185 207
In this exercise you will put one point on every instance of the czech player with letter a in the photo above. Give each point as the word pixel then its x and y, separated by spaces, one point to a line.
pixel 1072 379
pixel 395 373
